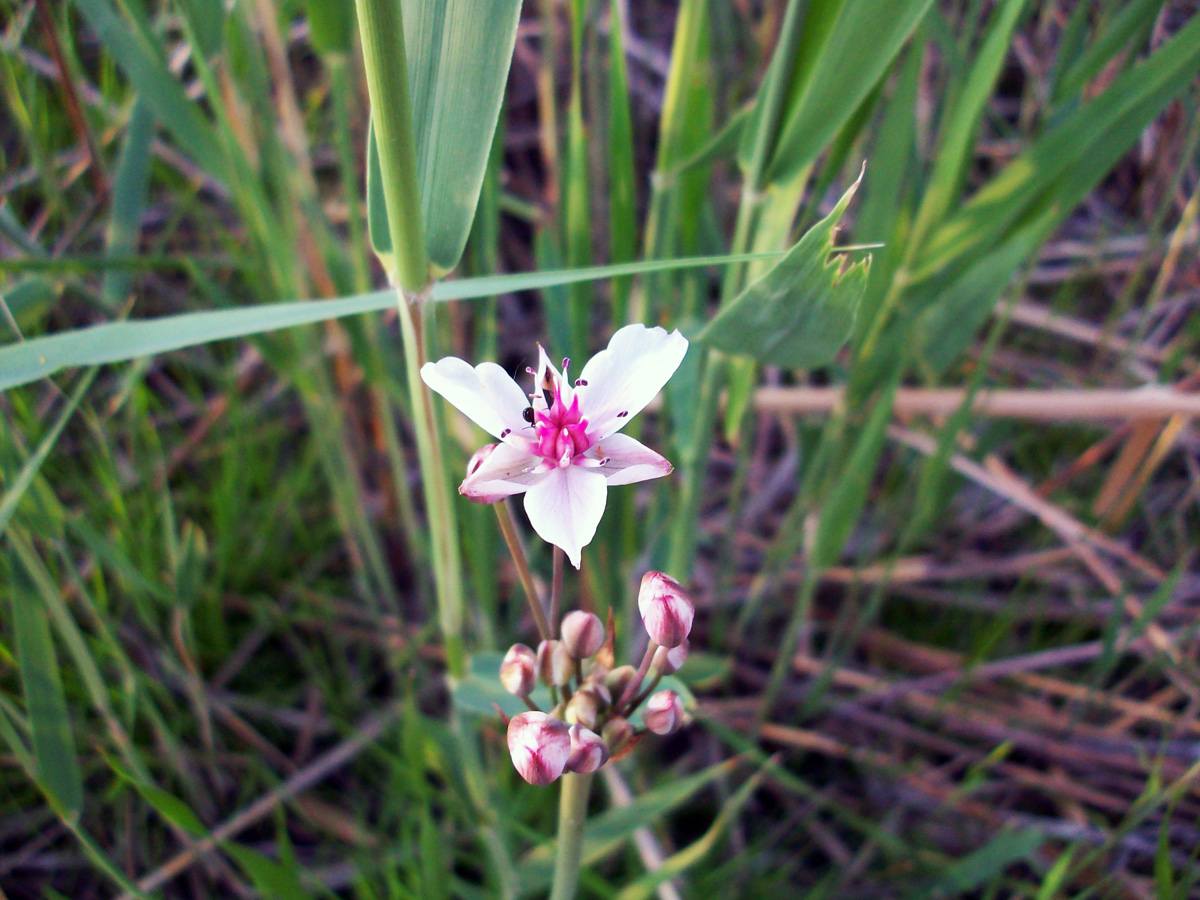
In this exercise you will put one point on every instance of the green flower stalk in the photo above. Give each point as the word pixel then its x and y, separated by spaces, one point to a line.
pixel 386 62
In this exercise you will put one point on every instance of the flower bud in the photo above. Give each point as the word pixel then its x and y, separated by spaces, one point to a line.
pixel 666 610
pixel 518 671
pixel 588 750
pixel 582 633
pixel 663 713
pixel 478 458
pixel 617 733
pixel 669 660
pixel 618 679
pixel 583 709
pixel 554 663
pixel 539 746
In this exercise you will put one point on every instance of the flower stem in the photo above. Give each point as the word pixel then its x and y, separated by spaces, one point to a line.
pixel 572 815
pixel 556 588
pixel 447 564
pixel 632 688
pixel 509 529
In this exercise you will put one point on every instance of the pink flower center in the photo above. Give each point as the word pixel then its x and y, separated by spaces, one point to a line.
pixel 561 432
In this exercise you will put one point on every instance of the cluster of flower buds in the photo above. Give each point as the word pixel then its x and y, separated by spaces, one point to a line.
pixel 594 702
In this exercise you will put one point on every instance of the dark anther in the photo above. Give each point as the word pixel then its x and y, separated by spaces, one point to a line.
pixel 527 415
pixel 622 414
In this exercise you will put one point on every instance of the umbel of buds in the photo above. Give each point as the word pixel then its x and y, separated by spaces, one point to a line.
pixel 599 710
pixel 666 610
pixel 539 746
pixel 518 671
pixel 582 633
pixel 664 712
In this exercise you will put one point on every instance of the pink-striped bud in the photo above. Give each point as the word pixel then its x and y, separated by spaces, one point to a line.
pixel 669 660
pixel 539 746
pixel 588 750
pixel 666 610
pixel 554 663
pixel 663 713
pixel 617 733
pixel 582 633
pixel 518 671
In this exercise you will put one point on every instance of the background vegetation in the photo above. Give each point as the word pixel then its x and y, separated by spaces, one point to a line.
pixel 947 634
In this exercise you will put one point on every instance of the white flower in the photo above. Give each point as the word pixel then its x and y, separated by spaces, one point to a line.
pixel 560 444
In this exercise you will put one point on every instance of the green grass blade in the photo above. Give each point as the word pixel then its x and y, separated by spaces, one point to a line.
pixel 847 47
pixel 53 741
pixel 120 341
pixel 129 198
pixel 141 59
pixel 961 125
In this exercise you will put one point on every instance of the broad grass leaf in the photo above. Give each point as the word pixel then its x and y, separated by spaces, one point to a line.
pixel 459 53
pixel 801 312
pixel 21 363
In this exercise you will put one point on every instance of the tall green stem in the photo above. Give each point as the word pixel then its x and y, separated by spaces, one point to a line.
pixel 572 814
pixel 381 26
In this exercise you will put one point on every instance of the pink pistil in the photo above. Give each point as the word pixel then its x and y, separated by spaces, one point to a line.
pixel 561 432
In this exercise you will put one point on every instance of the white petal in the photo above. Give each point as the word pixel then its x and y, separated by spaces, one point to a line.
pixel 486 394
pixel 627 375
pixel 565 507
pixel 504 473
pixel 629 461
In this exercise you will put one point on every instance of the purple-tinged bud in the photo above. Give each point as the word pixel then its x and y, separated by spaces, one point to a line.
pixel 539 746
pixel 663 713
pixel 518 671
pixel 618 679
pixel 582 633
pixel 554 663
pixel 669 660
pixel 666 610
pixel 617 733
pixel 588 750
